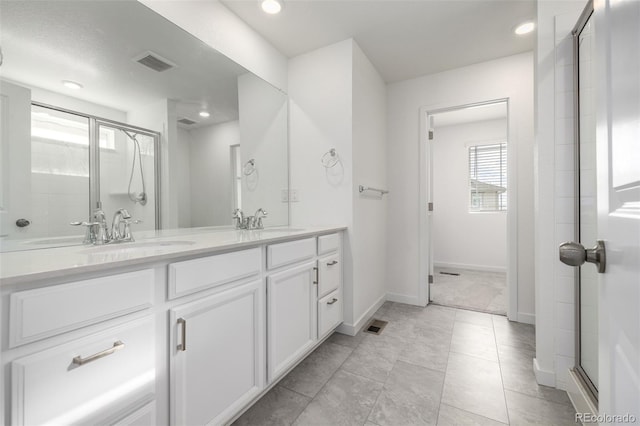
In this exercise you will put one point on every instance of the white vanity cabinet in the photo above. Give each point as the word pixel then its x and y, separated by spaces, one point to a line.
pixel 61 373
pixel 291 316
pixel 218 341
pixel 218 355
pixel 190 338
pixel 304 298
pixel 330 304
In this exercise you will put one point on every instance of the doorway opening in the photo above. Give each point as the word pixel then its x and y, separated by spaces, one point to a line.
pixel 468 192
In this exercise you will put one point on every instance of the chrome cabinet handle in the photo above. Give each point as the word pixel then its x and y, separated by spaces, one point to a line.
pixel 82 361
pixel 335 262
pixel 574 254
pixel 183 346
pixel 334 300
pixel 316 279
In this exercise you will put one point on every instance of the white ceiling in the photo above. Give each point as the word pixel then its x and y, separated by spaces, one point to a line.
pixel 94 43
pixel 402 38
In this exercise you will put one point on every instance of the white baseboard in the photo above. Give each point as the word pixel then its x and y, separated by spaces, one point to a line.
pixel 483 268
pixel 579 396
pixel 353 329
pixel 526 318
pixel 544 377
pixel 403 298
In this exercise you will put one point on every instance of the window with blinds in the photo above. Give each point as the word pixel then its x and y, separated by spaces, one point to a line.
pixel 488 177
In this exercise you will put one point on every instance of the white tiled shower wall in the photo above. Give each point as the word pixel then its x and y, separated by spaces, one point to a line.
pixel 564 195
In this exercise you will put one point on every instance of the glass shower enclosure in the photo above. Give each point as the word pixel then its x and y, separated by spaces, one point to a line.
pixel 80 163
pixel 586 276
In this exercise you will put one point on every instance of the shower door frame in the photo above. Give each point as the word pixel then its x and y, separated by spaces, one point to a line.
pixel 575 33
pixel 94 155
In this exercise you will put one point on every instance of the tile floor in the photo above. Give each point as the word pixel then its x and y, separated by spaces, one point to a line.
pixel 477 290
pixel 432 365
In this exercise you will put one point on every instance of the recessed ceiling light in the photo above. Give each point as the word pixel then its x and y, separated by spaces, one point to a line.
pixel 525 28
pixel 204 114
pixel 272 6
pixel 71 85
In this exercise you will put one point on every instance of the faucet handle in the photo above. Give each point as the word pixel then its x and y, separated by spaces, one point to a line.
pixel 126 233
pixel 90 235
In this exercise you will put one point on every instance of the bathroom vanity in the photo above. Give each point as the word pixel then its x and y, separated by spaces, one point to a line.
pixel 189 327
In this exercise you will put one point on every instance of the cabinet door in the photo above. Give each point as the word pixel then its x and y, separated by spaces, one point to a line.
pixel 291 316
pixel 218 355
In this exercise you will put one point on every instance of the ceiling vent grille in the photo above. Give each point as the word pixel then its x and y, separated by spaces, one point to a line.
pixel 154 61
pixel 186 121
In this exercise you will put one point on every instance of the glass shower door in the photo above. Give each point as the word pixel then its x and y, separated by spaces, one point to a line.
pixel 586 229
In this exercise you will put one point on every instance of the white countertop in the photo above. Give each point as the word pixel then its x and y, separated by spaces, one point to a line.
pixel 30 265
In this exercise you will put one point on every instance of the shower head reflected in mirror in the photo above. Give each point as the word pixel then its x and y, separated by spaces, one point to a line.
pixel 139 197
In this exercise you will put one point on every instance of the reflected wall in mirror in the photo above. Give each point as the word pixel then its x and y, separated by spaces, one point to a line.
pixel 137 71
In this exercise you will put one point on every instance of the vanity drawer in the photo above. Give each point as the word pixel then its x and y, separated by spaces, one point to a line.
pixel 145 416
pixel 76 382
pixel 329 313
pixel 328 243
pixel 329 273
pixel 45 312
pixel 291 252
pixel 198 274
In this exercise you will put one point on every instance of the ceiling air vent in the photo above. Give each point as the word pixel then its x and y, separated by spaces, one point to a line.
pixel 154 61
pixel 186 121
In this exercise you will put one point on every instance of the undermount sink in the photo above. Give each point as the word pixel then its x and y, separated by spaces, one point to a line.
pixel 137 246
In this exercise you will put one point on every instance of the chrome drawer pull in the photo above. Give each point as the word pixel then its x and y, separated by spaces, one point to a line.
pixel 183 346
pixel 82 361
pixel 334 300
pixel 335 262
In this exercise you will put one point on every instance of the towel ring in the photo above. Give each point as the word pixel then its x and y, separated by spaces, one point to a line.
pixel 249 167
pixel 330 158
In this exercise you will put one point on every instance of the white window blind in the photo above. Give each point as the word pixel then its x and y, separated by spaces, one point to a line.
pixel 488 177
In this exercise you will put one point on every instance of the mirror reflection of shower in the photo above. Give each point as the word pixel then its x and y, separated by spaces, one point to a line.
pixel 136 197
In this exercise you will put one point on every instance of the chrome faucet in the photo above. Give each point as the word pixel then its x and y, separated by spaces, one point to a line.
pixel 97 232
pixel 118 233
pixel 239 218
pixel 249 222
pixel 101 233
pixel 257 219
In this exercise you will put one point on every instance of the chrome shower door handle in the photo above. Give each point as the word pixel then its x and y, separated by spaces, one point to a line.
pixel 574 254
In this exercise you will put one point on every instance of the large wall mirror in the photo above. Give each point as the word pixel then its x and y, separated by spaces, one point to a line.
pixel 106 104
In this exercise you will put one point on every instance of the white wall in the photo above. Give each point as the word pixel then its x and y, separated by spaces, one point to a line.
pixel 369 168
pixel 210 166
pixel 462 239
pixel 220 28
pixel 510 77
pixel 321 93
pixel 263 137
pixel 337 100
pixel 555 327
pixel 184 183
